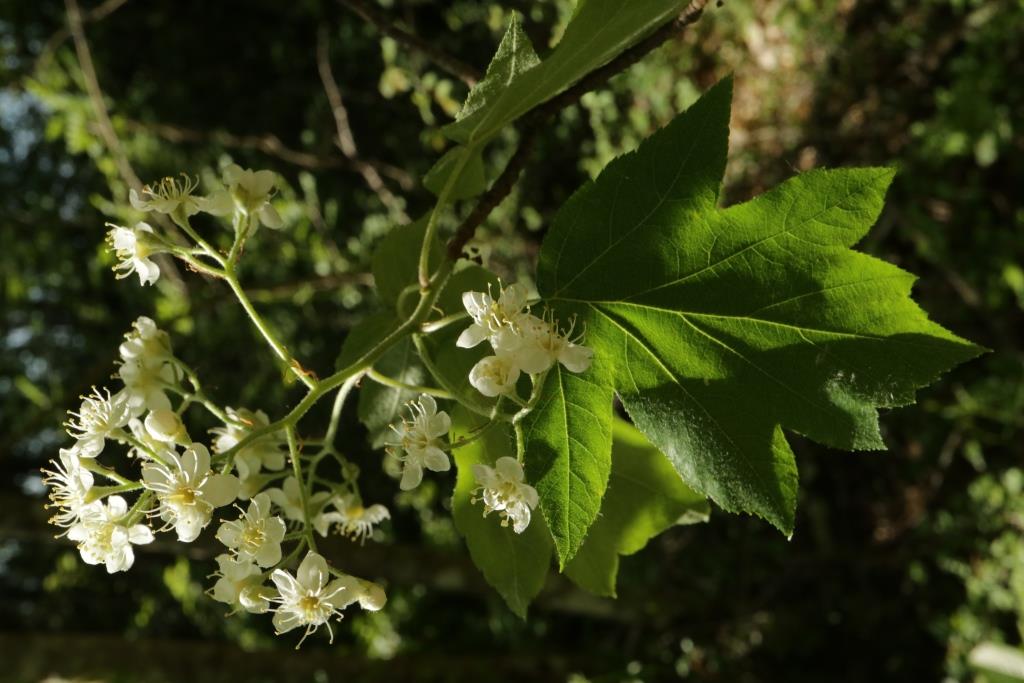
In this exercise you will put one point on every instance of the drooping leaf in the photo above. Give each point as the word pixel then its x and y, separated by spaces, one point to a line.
pixel 396 260
pixel 598 32
pixel 381 405
pixel 724 326
pixel 516 565
pixel 645 497
pixel 568 440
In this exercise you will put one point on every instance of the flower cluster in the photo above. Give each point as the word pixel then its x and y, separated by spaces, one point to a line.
pixel 522 342
pixel 416 442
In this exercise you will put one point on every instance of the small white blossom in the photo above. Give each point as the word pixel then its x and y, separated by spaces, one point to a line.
pixel 69 485
pixel 307 599
pixel 240 584
pixel 541 345
pixel 494 375
pixel 353 520
pixel 97 418
pixel 502 490
pixel 251 192
pixel 146 343
pixel 491 317
pixel 103 537
pixel 174 198
pixel 145 385
pixel 416 441
pixel 133 247
pixel 187 490
pixel 264 452
pixel 255 535
pixel 165 426
pixel 289 499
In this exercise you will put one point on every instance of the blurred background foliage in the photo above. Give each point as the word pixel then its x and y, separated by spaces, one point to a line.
pixel 902 562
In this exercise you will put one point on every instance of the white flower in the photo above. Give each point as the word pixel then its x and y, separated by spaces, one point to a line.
pixel 353 520
pixel 69 485
pixel 494 375
pixel 145 343
pixel 416 441
pixel 97 418
pixel 145 384
pixel 541 345
pixel 240 583
pixel 133 247
pixel 187 490
pixel 165 426
pixel 104 538
pixel 174 197
pixel 503 490
pixel 289 499
pixel 251 191
pixel 490 316
pixel 255 535
pixel 266 451
pixel 307 599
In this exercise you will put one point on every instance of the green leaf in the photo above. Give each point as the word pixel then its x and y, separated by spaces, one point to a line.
pixel 396 260
pixel 471 181
pixel 722 326
pixel 516 565
pixel 450 364
pixel 364 336
pixel 645 497
pixel 568 442
pixel 515 56
pixel 598 32
pixel 381 405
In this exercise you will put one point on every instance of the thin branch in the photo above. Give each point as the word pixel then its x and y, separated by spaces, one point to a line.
pixel 536 119
pixel 98 13
pixel 346 141
pixel 271 145
pixel 456 67
pixel 106 128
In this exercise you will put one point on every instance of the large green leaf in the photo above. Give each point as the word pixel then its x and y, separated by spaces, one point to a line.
pixel 568 441
pixel 598 32
pixel 645 497
pixel 722 326
pixel 381 405
pixel 516 565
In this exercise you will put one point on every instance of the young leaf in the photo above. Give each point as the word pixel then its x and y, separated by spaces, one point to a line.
pixel 722 326
pixel 515 56
pixel 516 565
pixel 394 263
pixel 598 32
pixel 645 497
pixel 568 442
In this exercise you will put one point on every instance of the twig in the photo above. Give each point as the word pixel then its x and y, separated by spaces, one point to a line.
pixel 456 67
pixel 346 141
pixel 106 128
pixel 535 120
pixel 271 145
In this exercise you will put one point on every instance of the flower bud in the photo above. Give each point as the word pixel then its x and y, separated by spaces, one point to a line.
pixel 372 597
pixel 165 425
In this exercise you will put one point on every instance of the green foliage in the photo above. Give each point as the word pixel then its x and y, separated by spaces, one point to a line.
pixel 568 451
pixel 645 497
pixel 744 320
pixel 396 258
pixel 617 25
pixel 516 565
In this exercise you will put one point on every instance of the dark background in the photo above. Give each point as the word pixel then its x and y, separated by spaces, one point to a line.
pixel 902 562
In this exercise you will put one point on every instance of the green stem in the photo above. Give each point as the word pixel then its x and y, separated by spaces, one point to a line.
pixel 431 232
pixel 428 362
pixel 397 384
pixel 441 323
pixel 293 450
pixel 339 403
pixel 268 334
pixel 182 222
